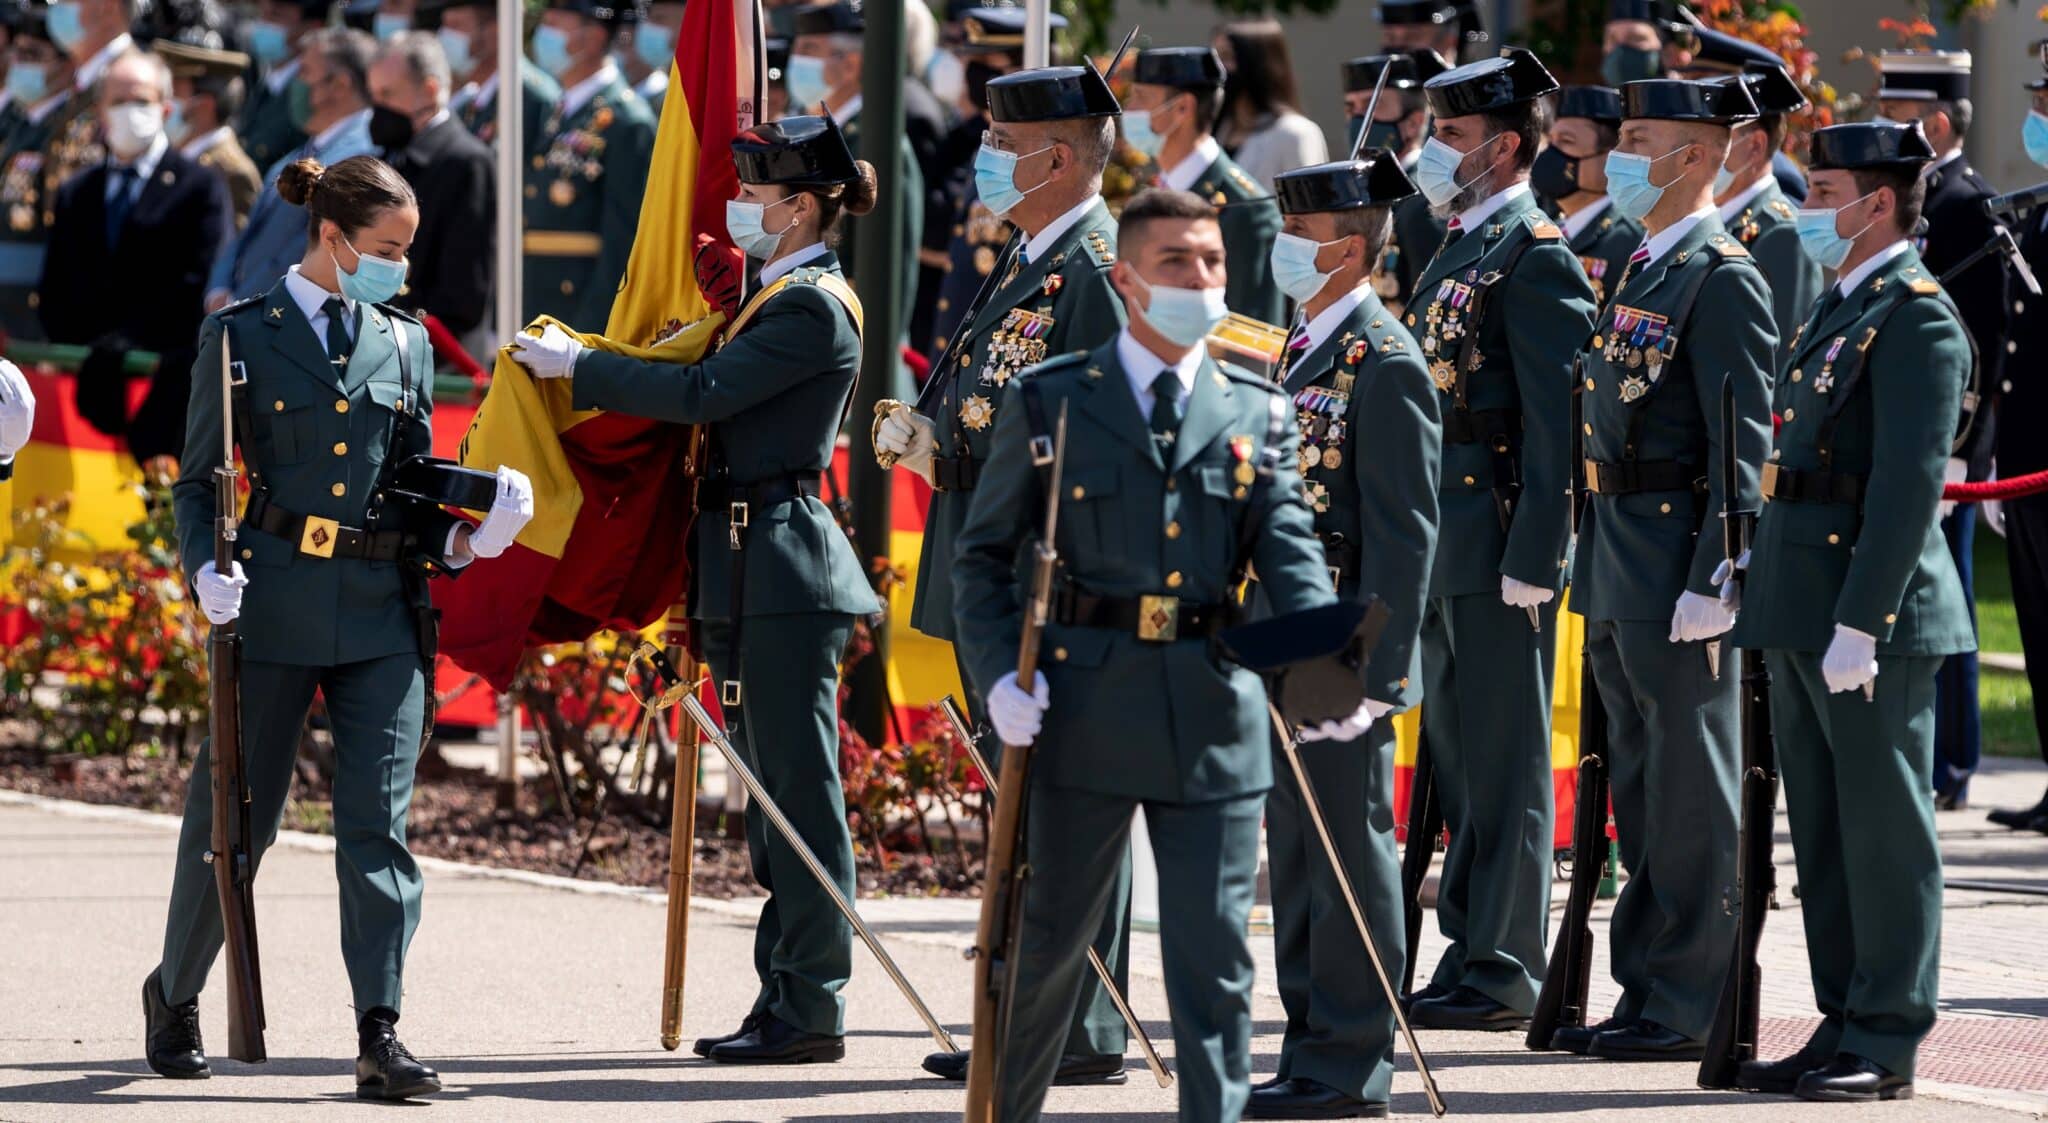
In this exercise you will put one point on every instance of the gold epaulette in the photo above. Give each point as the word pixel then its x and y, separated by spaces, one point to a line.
pixel 1100 247
pixel 1545 229
pixel 1244 181
pixel 1924 287
pixel 1781 208
pixel 1729 247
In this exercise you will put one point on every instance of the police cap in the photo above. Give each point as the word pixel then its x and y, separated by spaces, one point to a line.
pixel 1870 144
pixel 1343 185
pixel 1512 78
pixel 1000 26
pixel 795 151
pixel 1924 75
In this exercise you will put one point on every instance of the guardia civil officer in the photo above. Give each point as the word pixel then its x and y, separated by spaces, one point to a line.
pixel 1854 599
pixel 1164 506
pixel 1502 310
pixel 777 583
pixel 328 592
pixel 1704 53
pixel 1399 125
pixel 1170 116
pixel 1050 135
pixel 1752 205
pixel 1690 316
pixel 1570 174
pixel 1369 446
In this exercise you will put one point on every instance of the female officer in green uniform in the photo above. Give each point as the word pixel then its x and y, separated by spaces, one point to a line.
pixel 333 391
pixel 771 564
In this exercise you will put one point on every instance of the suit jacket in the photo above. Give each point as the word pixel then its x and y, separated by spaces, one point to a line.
pixel 147 289
pixel 773 396
pixel 244 178
pixel 1603 249
pixel 1638 551
pixel 1766 228
pixel 454 255
pixel 584 182
pixel 2023 380
pixel 1065 292
pixel 1956 228
pixel 1881 566
pixel 321 440
pixel 1140 719
pixel 275 238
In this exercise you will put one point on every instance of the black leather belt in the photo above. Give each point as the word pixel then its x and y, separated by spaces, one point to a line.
pixel 1480 426
pixel 955 473
pixel 1807 485
pixel 1630 476
pixel 317 537
pixel 766 493
pixel 1155 619
pixel 1340 555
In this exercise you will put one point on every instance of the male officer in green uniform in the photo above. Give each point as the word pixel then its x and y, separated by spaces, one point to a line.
pixel 1853 596
pixel 1690 316
pixel 1170 116
pixel 1502 310
pixel 269 126
pixel 1400 125
pixel 1178 473
pixel 1754 208
pixel 588 168
pixel 28 196
pixel 1050 134
pixel 469 35
pixel 1570 176
pixel 1370 444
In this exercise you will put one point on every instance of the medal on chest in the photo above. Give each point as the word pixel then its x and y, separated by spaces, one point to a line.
pixel 1444 325
pixel 1319 414
pixel 1018 343
pixel 1825 380
pixel 1639 341
pixel 1243 472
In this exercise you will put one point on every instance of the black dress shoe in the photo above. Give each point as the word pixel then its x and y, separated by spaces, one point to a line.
pixel 387 1070
pixel 704 1045
pixel 1852 1079
pixel 1465 1008
pixel 947 1066
pixel 1778 1077
pixel 1577 1039
pixel 773 1041
pixel 171 1035
pixel 1075 1068
pixel 1273 1081
pixel 1302 1098
pixel 2019 818
pixel 1432 991
pixel 1646 1041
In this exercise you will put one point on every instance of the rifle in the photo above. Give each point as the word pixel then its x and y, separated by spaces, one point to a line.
pixel 997 939
pixel 1734 1036
pixel 232 856
pixel 1425 824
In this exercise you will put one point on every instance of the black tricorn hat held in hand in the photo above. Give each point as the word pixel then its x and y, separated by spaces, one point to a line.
pixel 439 482
pixel 1314 660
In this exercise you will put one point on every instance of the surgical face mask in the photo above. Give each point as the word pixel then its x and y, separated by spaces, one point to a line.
pixel 268 41
pixel 551 50
pixel 805 77
pixel 133 127
pixel 2034 135
pixel 1139 133
pixel 455 45
pixel 1294 266
pixel 29 83
pixel 1184 316
pixel 1628 182
pixel 655 44
pixel 743 220
pixel 388 26
pixel 299 103
pixel 175 125
pixel 1817 233
pixel 947 77
pixel 375 279
pixel 1436 173
pixel 66 24
pixel 1623 65
pixel 995 178
pixel 1724 178
pixel 1554 175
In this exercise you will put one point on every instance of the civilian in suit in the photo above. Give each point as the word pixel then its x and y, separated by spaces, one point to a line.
pixel 269 126
pixel 453 258
pixel 206 94
pixel 130 249
pixel 334 67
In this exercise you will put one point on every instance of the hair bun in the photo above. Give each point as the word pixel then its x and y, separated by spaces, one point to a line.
pixel 297 182
pixel 860 195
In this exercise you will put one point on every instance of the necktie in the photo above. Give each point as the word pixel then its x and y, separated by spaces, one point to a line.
pixel 1828 303
pixel 120 203
pixel 1165 409
pixel 337 331
pixel 1297 345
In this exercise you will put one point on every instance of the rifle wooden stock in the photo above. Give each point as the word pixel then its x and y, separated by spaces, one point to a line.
pixel 682 853
pixel 1562 1001
pixel 1425 823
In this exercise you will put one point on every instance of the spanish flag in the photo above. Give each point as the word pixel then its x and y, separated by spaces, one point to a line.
pixel 607 546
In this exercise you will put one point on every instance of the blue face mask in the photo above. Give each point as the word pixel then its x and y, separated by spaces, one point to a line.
pixel 1184 316
pixel 29 84
pixel 1294 266
pixel 1817 233
pixel 375 279
pixel 1436 172
pixel 2034 135
pixel 743 220
pixel 1139 133
pixel 655 44
pixel 551 50
pixel 175 124
pixel 455 45
pixel 267 41
pixel 805 77
pixel 66 24
pixel 995 178
pixel 388 26
pixel 1628 182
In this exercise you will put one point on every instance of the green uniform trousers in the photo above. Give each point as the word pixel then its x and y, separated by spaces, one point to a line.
pixel 1486 677
pixel 1340 1029
pixel 788 732
pixel 1208 860
pixel 375 709
pixel 1673 749
pixel 1855 778
pixel 1097 1026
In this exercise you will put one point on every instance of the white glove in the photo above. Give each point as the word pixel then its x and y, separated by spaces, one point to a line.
pixel 1016 715
pixel 1696 617
pixel 1731 589
pixel 910 436
pixel 551 354
pixel 17 409
pixel 220 598
pixel 1851 660
pixel 1521 594
pixel 1954 472
pixel 507 517
pixel 1345 729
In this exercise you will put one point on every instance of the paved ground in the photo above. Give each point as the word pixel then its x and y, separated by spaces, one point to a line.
pixel 538 1002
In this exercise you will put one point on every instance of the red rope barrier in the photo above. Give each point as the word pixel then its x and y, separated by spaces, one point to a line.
pixel 2034 483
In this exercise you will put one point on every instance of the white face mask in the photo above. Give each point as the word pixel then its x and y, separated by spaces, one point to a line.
pixel 132 127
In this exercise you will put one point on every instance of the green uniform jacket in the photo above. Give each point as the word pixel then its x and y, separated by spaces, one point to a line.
pixel 1417 234
pixel 27 202
pixel 1536 320
pixel 1250 217
pixel 538 95
pixel 1883 568
pixel 1378 494
pixel 907 179
pixel 585 178
pixel 1765 226
pixel 1069 286
pixel 1130 718
pixel 1603 249
pixel 319 446
pixel 265 124
pixel 1638 551
pixel 773 396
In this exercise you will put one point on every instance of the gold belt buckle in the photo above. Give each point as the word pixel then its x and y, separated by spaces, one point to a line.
pixel 1592 475
pixel 1770 481
pixel 318 537
pixel 1158 619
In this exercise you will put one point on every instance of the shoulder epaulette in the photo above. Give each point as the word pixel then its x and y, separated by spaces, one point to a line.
pixel 1100 247
pixel 1924 286
pixel 1244 181
pixel 808 275
pixel 1729 247
pixel 1543 228
pixel 230 309
pixel 1781 208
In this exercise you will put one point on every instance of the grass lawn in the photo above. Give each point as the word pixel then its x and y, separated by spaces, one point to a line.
pixel 2004 698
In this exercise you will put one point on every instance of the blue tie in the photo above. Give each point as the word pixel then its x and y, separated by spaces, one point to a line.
pixel 120 204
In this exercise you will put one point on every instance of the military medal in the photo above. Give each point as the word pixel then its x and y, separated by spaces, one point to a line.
pixel 1052 284
pixel 976 413
pixel 1358 351
pixel 1443 374
pixel 561 193
pixel 984 260
pixel 1317 495
pixel 1333 458
pixel 1825 380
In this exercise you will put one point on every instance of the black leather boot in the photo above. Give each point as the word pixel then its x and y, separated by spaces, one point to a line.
pixel 386 1069
pixel 171 1040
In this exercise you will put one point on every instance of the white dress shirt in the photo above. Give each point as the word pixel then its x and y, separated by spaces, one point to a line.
pixel 789 263
pixel 143 166
pixel 1041 243
pixel 1747 195
pixel 1576 223
pixel 850 109
pixel 1667 239
pixel 1475 216
pixel 577 96
pixel 312 300
pixel 1141 366
pixel 1320 328
pixel 1855 277
pixel 1182 176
